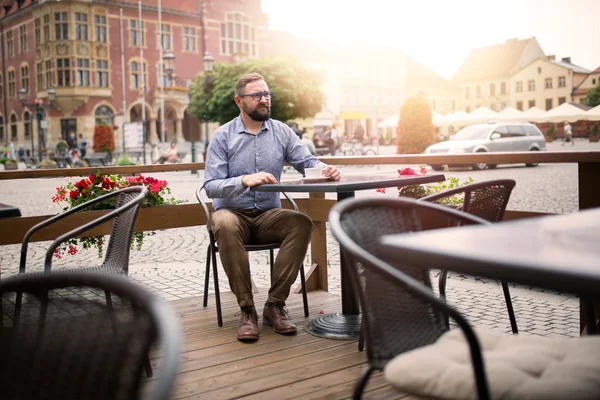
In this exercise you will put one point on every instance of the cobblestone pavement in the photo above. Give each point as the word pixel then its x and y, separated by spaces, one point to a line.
pixel 172 262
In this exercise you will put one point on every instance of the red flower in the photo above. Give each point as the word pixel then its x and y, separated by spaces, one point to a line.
pixel 72 250
pixel 74 194
pixel 423 170
pixel 83 184
pixel 154 188
pixel 380 190
pixel 407 172
pixel 58 253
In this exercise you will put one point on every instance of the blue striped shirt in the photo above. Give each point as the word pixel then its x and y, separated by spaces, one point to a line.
pixel 234 152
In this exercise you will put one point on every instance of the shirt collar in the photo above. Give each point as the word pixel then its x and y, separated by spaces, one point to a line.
pixel 240 128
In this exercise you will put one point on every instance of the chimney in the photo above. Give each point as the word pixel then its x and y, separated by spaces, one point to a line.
pixel 566 60
pixel 552 57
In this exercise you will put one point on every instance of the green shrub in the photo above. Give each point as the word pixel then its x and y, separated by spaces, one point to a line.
pixel 595 129
pixel 551 132
pixel 415 129
pixel 123 160
pixel 5 160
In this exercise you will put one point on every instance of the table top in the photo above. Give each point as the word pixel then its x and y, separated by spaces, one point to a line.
pixel 349 183
pixel 7 211
pixel 558 252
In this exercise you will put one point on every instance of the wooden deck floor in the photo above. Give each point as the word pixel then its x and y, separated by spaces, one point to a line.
pixel 215 365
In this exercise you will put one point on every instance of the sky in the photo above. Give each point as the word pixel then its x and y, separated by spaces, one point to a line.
pixel 441 33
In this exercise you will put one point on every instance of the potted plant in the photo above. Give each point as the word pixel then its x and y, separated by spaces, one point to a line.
pixel 9 164
pixel 48 164
pixel 550 133
pixel 595 133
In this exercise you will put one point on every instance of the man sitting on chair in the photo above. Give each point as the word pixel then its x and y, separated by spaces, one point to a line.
pixel 248 151
pixel 169 155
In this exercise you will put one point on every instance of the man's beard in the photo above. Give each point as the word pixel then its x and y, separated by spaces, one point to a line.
pixel 258 115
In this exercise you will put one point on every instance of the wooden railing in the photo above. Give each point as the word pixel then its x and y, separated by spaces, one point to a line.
pixel 316 206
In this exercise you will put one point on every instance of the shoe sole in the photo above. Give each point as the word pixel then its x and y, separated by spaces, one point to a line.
pixel 247 338
pixel 268 323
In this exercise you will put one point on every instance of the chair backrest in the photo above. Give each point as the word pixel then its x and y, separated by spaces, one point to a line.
pixel 123 216
pixel 395 320
pixel 207 211
pixel 82 350
pixel 486 200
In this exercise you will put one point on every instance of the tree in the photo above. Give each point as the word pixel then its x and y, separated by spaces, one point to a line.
pixel 296 90
pixel 415 129
pixel 593 96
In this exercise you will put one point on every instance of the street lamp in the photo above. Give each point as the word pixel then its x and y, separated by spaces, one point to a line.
pixel 39 113
pixel 168 65
pixel 208 62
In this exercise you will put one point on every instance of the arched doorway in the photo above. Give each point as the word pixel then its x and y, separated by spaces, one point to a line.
pixel 135 115
pixel 104 115
pixel 170 124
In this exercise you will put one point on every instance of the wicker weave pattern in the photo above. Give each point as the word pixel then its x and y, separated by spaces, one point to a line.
pixel 81 351
pixel 395 321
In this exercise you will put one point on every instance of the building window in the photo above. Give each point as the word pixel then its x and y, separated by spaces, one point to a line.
pixel 492 89
pixel 189 39
pixel 477 91
pixel 502 87
pixel 467 93
pixel 468 109
pixel 25 77
pixel 37 27
pixel 13 127
pixel 49 75
pixel 548 104
pixel 9 43
pixel 101 73
pixel 23 38
pixel 562 81
pixel 519 87
pixel 83 72
pixel 453 105
pixel 39 76
pixel 46 26
pixel 520 105
pixel 27 124
pixel 165 36
pixel 561 100
pixel 63 72
pixel 104 116
pixel 136 32
pixel 531 103
pixel 548 83
pixel 237 35
pixel 11 84
pixel 136 74
pixel 594 82
pixel 100 28
pixel 531 85
pixel 1 127
pixel 61 25
pixel 81 26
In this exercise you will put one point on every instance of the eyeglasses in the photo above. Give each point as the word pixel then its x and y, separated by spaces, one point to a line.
pixel 258 95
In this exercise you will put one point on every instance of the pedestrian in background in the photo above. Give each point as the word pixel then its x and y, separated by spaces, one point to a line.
pixel 568 134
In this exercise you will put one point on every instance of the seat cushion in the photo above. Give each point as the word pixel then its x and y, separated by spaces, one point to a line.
pixel 517 367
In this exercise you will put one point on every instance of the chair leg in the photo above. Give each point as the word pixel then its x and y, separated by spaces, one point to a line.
pixel 271 257
pixel 361 336
pixel 442 286
pixel 365 374
pixel 304 294
pixel 207 276
pixel 509 307
pixel 217 294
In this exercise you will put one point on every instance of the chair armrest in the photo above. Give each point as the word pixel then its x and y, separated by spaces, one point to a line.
pixel 204 207
pixel 291 201
pixel 50 221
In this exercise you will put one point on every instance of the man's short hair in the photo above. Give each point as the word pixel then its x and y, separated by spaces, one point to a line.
pixel 246 79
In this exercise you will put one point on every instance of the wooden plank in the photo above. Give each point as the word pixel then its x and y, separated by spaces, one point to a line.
pixel 318 251
pixel 589 190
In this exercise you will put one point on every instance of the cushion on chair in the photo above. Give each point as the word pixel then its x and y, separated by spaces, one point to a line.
pixel 517 367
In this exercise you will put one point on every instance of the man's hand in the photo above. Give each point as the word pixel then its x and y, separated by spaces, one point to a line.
pixel 258 179
pixel 332 173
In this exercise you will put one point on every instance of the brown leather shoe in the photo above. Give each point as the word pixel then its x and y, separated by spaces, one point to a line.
pixel 277 317
pixel 248 326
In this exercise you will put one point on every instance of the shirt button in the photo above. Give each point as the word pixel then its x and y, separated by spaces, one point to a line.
pixel 256 153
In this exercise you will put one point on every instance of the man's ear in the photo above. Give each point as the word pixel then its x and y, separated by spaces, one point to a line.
pixel 238 100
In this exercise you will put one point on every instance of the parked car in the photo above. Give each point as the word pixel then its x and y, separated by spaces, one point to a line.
pixel 491 137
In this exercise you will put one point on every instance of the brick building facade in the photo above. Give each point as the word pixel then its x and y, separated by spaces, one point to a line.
pixel 74 47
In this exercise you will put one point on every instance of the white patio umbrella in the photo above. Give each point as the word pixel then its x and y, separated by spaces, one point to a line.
pixel 389 122
pixel 512 114
pixel 458 118
pixel 564 112
pixel 534 114
pixel 482 114
pixel 593 114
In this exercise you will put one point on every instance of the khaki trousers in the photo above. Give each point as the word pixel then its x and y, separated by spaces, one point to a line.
pixel 235 228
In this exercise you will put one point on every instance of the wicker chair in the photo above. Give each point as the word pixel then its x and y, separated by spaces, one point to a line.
pixel 397 314
pixel 73 352
pixel 486 200
pixel 213 249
